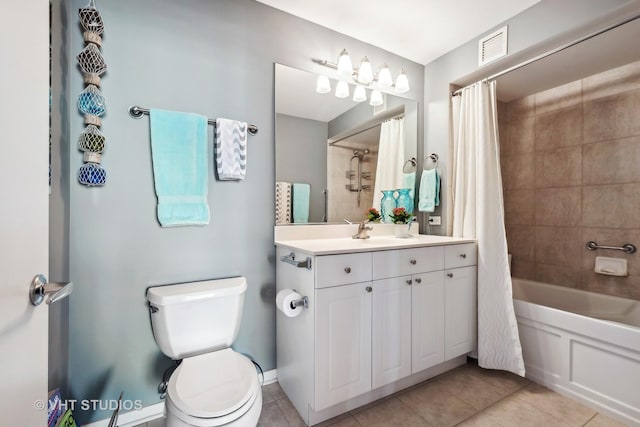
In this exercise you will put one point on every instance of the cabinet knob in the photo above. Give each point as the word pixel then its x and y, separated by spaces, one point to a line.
pixel 463 255
pixel 368 289
pixel 413 262
pixel 409 281
pixel 449 275
pixel 418 280
pixel 347 270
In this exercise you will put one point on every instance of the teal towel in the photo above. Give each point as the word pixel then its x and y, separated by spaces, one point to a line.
pixel 409 181
pixel 180 167
pixel 301 202
pixel 429 191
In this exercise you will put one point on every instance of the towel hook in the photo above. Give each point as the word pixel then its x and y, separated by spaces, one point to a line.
pixel 412 168
pixel 434 158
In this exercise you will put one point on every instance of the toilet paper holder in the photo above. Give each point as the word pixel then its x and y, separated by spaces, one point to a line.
pixel 302 302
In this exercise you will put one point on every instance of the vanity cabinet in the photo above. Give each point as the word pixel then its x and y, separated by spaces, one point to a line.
pixel 377 321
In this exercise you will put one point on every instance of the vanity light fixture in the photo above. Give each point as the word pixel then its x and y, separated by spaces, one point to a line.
pixel 363 75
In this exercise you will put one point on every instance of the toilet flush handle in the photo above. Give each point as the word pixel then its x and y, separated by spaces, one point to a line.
pixel 153 308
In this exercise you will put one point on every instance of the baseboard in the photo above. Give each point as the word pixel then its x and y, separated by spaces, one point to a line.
pixel 134 418
pixel 153 412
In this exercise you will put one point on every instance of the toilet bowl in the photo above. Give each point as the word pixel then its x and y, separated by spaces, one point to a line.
pixel 214 385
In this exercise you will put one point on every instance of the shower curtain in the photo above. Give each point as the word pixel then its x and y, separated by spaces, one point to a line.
pixel 478 212
pixel 390 158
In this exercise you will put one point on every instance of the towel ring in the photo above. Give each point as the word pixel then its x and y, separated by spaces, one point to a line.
pixel 434 159
pixel 413 165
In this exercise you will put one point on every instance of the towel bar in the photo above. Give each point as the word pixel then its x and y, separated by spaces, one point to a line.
pixel 137 112
pixel 291 259
pixel 627 248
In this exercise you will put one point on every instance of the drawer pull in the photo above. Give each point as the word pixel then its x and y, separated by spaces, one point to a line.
pixel 418 280
pixel 463 255
pixel 449 275
pixel 413 262
pixel 347 270
pixel 409 281
pixel 368 289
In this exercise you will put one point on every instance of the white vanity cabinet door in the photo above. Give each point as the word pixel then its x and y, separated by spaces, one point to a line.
pixel 460 311
pixel 402 262
pixel 427 320
pixel 391 340
pixel 342 343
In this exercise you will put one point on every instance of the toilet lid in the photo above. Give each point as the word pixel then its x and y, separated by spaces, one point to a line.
pixel 213 384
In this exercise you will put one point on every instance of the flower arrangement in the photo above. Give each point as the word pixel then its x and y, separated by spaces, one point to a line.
pixel 373 215
pixel 400 216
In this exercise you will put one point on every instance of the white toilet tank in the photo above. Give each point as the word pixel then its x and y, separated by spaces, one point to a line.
pixel 198 317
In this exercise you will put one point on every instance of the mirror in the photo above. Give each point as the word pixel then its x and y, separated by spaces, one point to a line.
pixel 327 148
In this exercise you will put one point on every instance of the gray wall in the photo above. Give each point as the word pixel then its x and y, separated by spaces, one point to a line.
pixel 301 156
pixel 547 24
pixel 210 57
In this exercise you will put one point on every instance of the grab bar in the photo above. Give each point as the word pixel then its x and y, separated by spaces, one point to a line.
pixel 291 259
pixel 627 248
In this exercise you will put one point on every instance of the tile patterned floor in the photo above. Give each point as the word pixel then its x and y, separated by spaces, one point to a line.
pixel 467 396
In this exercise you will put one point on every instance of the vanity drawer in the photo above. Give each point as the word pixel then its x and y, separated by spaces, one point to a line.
pixel 461 255
pixel 402 262
pixel 333 270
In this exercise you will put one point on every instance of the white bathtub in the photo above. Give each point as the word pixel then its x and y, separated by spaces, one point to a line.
pixel 582 344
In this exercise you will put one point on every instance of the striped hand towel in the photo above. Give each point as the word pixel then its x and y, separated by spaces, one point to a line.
pixel 231 149
pixel 283 203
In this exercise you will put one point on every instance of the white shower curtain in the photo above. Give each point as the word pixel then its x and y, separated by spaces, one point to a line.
pixel 390 158
pixel 478 212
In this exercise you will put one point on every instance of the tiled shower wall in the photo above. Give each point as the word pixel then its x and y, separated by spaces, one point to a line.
pixel 571 173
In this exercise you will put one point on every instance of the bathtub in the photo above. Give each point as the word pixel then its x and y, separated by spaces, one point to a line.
pixel 582 344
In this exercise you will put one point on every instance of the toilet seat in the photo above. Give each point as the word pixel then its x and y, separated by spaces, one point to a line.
pixel 221 384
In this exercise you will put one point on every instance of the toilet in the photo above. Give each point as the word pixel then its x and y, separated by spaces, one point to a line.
pixel 197 322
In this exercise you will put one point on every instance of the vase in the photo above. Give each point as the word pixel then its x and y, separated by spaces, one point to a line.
pixel 387 205
pixel 402 230
pixel 405 200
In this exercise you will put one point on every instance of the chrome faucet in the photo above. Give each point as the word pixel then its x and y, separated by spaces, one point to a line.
pixel 362 230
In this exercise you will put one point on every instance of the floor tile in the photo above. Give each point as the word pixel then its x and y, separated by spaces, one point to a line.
pixel 556 405
pixel 344 420
pixel 391 412
pixel 272 416
pixel 274 390
pixel 436 405
pixel 512 411
pixel 290 413
pixel 482 419
pixel 602 420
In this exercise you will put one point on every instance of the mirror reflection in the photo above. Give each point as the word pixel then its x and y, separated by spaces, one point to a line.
pixel 334 156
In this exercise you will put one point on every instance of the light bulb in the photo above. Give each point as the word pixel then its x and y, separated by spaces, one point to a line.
pixel 359 94
pixel 345 67
pixel 376 98
pixel 323 85
pixel 384 77
pixel 365 72
pixel 402 83
pixel 342 89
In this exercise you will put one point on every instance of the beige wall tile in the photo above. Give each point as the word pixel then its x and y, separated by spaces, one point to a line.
pixel 559 168
pixel 612 117
pixel 521 135
pixel 521 242
pixel 559 97
pixel 519 172
pixel 612 162
pixel 611 206
pixel 523 269
pixel 625 287
pixel 612 82
pixel 561 246
pixel 610 237
pixel 560 275
pixel 562 128
pixel 519 207
pixel 521 108
pixel 559 206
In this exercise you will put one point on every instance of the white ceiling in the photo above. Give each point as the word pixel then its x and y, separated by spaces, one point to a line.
pixel 420 30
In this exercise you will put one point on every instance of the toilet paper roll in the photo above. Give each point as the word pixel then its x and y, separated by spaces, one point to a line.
pixel 284 299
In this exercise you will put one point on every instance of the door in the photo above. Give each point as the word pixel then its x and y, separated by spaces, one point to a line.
pixel 343 343
pixel 460 311
pixel 24 242
pixel 427 324
pixel 391 330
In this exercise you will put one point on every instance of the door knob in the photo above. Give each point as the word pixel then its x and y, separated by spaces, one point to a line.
pixel 449 275
pixel 40 289
pixel 418 280
pixel 413 262
pixel 347 270
pixel 368 289
pixel 409 281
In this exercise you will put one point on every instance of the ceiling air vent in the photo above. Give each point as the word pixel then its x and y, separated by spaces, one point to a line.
pixel 492 47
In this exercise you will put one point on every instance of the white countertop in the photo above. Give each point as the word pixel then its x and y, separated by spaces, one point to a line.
pixel 341 245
